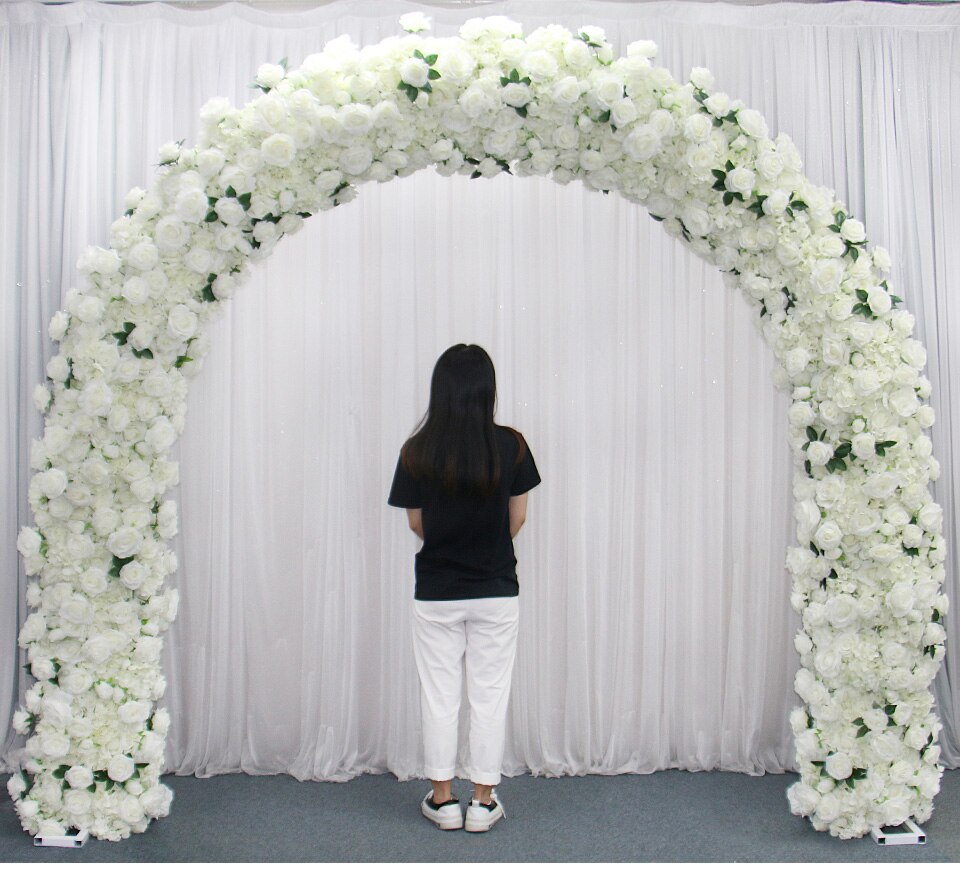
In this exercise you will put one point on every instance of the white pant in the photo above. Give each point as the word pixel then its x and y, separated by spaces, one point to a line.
pixel 482 633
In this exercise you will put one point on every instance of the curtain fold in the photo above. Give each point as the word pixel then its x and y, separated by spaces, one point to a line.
pixel 655 624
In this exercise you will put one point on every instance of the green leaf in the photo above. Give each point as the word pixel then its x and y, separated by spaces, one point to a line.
pixel 211 216
pixel 862 295
pixel 431 59
pixel 433 74
pixel 428 87
pixel 207 294
pixel 61 771
pixel 504 81
pixel 418 54
pixel 912 552
pixel 812 434
pixel 843 450
pixel 808 468
pixel 521 111
pixel 835 464
pixel 864 730
pixel 814 549
pixel 798 204
pixel 244 200
pixel 230 192
pixel 128 213
pixel 936 616
pixel 604 117
pixel 92 788
pixel 729 166
pixel 854 252
pixel 118 565
pixel 142 353
pixel 656 217
pixel 728 198
pixel 183 359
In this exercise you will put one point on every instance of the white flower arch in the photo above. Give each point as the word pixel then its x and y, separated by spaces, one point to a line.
pixel 869 561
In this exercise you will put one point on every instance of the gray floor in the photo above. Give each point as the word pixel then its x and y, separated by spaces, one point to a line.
pixel 668 816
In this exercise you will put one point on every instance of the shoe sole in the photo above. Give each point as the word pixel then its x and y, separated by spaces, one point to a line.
pixel 444 825
pixel 481 829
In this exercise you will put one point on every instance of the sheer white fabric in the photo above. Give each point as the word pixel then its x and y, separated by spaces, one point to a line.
pixel 655 625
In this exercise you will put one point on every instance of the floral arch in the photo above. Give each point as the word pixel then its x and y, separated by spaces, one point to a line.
pixel 868 562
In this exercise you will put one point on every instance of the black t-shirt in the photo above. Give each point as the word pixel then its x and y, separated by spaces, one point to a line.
pixel 467 548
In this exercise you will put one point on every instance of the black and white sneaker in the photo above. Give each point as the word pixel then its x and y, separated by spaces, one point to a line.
pixel 447 815
pixel 483 816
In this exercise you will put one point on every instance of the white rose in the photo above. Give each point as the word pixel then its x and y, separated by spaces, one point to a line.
pixel 96 398
pixel 278 150
pixel 29 540
pixel 697 127
pixel 770 165
pixel 642 143
pixel 717 104
pixel 864 445
pixel 54 744
pixel 87 308
pixel 134 712
pixel 415 72
pixel 156 801
pixel 414 22
pixel 828 808
pixel 831 246
pixel 900 599
pixel 826 275
pixel 125 542
pixel 120 768
pixel 355 160
pixel 566 137
pixel 77 803
pixel 879 301
pixel 136 290
pixel 229 210
pixel 170 234
pixel 134 574
pixel 577 53
pixel 828 536
pixel 930 517
pixel 819 453
pixel 79 777
pixel 143 256
pixel 853 231
pixel 58 326
pixel 866 382
pixel 270 75
pixel 567 90
pixel 701 78
pixel 904 402
pixel 752 123
pixel 455 66
pixel 839 766
pixel 515 94
pixel 51 483
pixel 881 485
pixel 842 611
pixel 77 610
pixel 540 66
pixel 192 205
pixel 182 322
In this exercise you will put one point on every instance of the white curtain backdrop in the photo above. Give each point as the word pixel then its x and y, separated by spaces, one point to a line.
pixel 655 625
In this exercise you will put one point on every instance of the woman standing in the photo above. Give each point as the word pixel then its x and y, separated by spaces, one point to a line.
pixel 464 480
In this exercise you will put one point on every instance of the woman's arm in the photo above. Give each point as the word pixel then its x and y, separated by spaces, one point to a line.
pixel 518 513
pixel 415 517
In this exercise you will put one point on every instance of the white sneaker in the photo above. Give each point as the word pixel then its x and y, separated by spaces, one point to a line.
pixel 483 816
pixel 447 816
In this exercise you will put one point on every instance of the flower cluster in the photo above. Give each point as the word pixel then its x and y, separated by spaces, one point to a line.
pixel 869 564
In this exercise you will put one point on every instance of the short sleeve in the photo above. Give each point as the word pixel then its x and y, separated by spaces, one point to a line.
pixel 405 491
pixel 525 475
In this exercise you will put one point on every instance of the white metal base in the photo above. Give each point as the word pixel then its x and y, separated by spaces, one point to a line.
pixel 907 834
pixel 70 841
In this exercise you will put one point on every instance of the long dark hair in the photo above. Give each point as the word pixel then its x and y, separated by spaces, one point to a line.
pixel 455 443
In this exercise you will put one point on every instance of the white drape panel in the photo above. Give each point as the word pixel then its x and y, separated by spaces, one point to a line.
pixel 655 625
